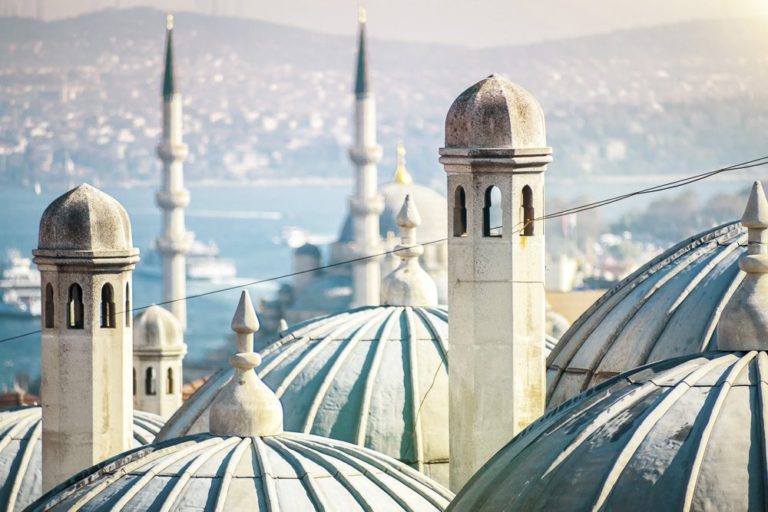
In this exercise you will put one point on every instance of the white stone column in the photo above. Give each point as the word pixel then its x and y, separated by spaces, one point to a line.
pixel 494 138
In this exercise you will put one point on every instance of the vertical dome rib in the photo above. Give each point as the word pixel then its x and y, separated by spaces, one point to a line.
pixel 319 500
pixel 416 433
pixel 267 481
pixel 229 471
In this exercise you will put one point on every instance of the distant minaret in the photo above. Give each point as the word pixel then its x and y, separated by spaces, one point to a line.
pixel 366 204
pixel 173 197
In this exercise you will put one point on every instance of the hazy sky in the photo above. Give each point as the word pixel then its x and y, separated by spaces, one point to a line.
pixel 468 22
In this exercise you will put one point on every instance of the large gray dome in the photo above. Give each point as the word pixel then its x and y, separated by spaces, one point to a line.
pixel 669 307
pixel 21 473
pixel 432 207
pixel 291 472
pixel 85 219
pixel 682 434
pixel 374 376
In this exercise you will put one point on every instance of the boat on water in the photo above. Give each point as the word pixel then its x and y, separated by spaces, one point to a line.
pixel 204 263
pixel 19 287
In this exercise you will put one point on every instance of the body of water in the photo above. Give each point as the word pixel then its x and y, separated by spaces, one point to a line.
pixel 246 223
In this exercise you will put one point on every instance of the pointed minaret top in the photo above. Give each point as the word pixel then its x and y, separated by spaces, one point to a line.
pixel 402 175
pixel 361 78
pixel 409 284
pixel 744 321
pixel 169 85
pixel 245 406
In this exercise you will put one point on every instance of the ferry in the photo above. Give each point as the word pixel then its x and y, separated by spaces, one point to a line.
pixel 19 287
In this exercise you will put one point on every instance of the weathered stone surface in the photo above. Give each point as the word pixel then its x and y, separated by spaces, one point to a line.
pixel 85 219
pixel 495 113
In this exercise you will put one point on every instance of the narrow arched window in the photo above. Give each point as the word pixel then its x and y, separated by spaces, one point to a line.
pixel 49 306
pixel 528 214
pixel 134 382
pixel 107 306
pixel 459 212
pixel 169 381
pixel 492 223
pixel 127 312
pixel 75 308
pixel 150 381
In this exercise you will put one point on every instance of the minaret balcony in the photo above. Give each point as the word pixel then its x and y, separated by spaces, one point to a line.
pixel 171 152
pixel 173 199
pixel 366 205
pixel 167 246
pixel 365 155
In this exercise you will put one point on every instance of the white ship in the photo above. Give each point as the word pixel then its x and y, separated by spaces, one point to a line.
pixel 19 287
pixel 204 263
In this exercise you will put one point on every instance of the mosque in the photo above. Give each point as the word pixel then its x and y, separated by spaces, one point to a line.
pixel 654 398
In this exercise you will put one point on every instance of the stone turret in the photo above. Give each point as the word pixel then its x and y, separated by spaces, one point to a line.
pixel 158 354
pixel 366 204
pixel 495 155
pixel 86 257
pixel 173 197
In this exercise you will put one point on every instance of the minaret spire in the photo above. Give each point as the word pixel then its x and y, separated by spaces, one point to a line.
pixel 744 322
pixel 402 176
pixel 173 197
pixel 366 204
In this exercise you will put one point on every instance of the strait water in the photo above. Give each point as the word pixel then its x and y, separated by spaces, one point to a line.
pixel 246 223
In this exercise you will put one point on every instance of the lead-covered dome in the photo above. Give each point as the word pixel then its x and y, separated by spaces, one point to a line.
pixel 21 473
pixel 291 472
pixel 495 113
pixel 667 308
pixel 683 434
pixel 374 376
pixel 85 219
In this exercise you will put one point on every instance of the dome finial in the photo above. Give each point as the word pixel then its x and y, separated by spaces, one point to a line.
pixel 361 14
pixel 409 284
pixel 744 322
pixel 246 406
pixel 402 175
pixel 169 21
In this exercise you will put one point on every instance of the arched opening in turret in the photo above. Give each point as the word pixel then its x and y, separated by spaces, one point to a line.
pixel 528 213
pixel 75 308
pixel 459 212
pixel 49 306
pixel 492 215
pixel 107 306
pixel 150 381
pixel 127 311
pixel 169 381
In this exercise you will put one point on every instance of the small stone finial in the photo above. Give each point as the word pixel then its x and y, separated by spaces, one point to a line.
pixel 245 323
pixel 246 406
pixel 409 284
pixel 402 175
pixel 169 21
pixel 282 325
pixel 744 322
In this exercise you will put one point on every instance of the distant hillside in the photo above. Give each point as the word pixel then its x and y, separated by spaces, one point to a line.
pixel 264 99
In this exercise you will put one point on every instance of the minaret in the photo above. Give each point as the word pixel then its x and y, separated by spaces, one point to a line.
pixel 366 204
pixel 173 197
pixel 158 356
pixel 86 257
pixel 409 284
pixel 744 321
pixel 495 155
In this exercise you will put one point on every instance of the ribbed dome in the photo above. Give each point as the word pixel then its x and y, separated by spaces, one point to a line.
pixel 157 328
pixel 495 113
pixel 683 434
pixel 373 376
pixel 21 474
pixel 85 219
pixel 432 206
pixel 291 472
pixel 669 307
